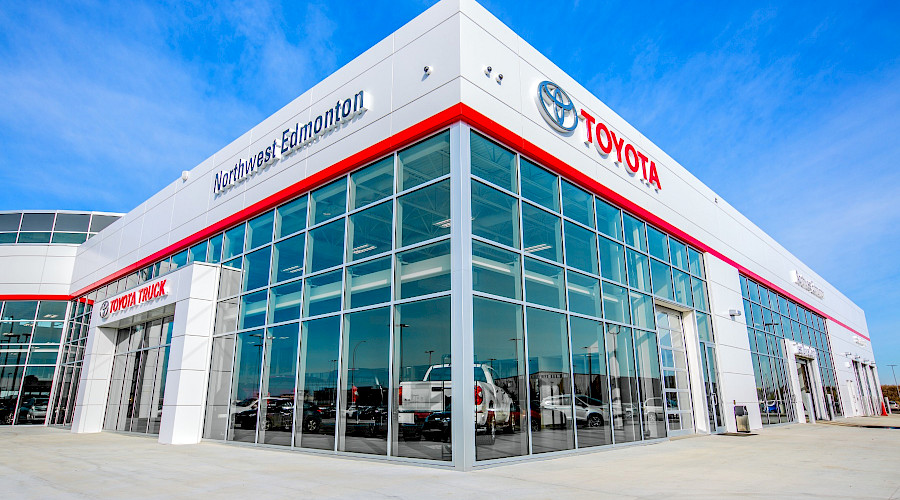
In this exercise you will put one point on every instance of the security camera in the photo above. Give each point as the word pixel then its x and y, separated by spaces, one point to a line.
pixel 428 70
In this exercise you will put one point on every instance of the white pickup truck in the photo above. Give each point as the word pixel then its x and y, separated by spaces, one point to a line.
pixel 420 399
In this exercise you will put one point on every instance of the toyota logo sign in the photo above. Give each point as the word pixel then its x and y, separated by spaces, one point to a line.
pixel 104 309
pixel 557 107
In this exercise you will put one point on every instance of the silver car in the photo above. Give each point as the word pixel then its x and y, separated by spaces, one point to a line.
pixel 592 412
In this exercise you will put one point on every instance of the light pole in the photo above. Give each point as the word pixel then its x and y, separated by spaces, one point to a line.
pixel 897 387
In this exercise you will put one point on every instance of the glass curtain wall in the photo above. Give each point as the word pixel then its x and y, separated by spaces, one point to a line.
pixel 770 318
pixel 566 349
pixel 333 321
pixel 138 381
pixel 30 335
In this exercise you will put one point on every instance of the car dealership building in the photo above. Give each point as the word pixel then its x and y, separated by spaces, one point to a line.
pixel 447 218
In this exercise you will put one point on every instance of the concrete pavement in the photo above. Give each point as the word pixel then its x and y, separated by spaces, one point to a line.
pixel 796 461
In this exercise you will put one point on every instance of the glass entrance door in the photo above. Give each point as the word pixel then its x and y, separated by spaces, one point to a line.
pixel 711 384
pixel 676 383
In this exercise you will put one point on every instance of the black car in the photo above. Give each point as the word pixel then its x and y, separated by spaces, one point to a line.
pixel 436 426
pixel 279 415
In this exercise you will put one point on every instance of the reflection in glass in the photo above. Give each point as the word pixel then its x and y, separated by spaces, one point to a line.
pixel 615 303
pixel 245 386
pixel 317 390
pixel 592 415
pixel 544 284
pixel 422 422
pixel 369 231
pixel 323 293
pixel 493 162
pixel 578 204
pixel 612 260
pixel 581 248
pixel 259 230
pixel 662 279
pixel 584 294
pixel 657 243
pixel 253 310
pixel 325 246
pixel 218 393
pixel 290 217
pixel 424 270
pixel 682 288
pixel 425 161
pixel 424 214
pixel 369 283
pixel 696 260
pixel 496 271
pixel 256 268
pixel 499 371
pixel 634 232
pixel 284 302
pixel 541 233
pixel 35 396
pixel 623 384
pixel 365 387
pixel 214 252
pixel 539 185
pixel 287 259
pixel 495 215
pixel 638 270
pixel 642 310
pixel 234 242
pixel 328 201
pixel 276 413
pixel 372 183
pixel 652 410
pixel 550 388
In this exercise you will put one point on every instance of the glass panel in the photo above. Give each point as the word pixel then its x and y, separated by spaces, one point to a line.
pixel 623 384
pixel 422 271
pixel 698 290
pixel 634 233
pixel 642 310
pixel 583 293
pixel 372 183
pixel 496 271
pixel 541 233
pixel 43 355
pixel 658 244
pixel 679 254
pixel 578 204
pixel 425 161
pixel 197 253
pixel 365 391
pixel 612 260
pixel 609 219
pixel 592 417
pixel 326 246
pixel 287 259
pixel 369 283
pixel 69 238
pixel 10 381
pixel 615 303
pixel 253 310
pixel 539 185
pixel 704 330
pixel 259 230
pixel 214 255
pixel 662 279
pixel 370 231
pixel 580 248
pixel 638 270
pixel 328 201
pixel 219 390
pixel 290 218
pixel 76 223
pixel 285 302
pixel 499 373
pixel 550 387
pixel 16 332
pixel 234 242
pixel 34 237
pixel 492 162
pixel 47 332
pixel 226 316
pixel 683 293
pixel 8 237
pixel 10 222
pixel 20 309
pixel 101 222
pixel 424 214
pixel 653 411
pixel 495 215
pixel 52 309
pixel 245 386
pixel 256 268
pixel 422 422
pixel 35 397
pixel 319 355
pixel 37 222
pixel 544 284
pixel 323 293
pixel 276 416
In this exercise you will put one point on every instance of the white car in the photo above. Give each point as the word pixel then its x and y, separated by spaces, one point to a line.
pixel 591 411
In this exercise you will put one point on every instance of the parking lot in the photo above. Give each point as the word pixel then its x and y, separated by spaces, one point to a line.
pixel 795 461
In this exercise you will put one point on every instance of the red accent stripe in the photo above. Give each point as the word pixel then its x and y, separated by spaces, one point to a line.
pixel 35 297
pixel 457 112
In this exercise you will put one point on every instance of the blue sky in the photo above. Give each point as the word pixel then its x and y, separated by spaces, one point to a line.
pixel 789 111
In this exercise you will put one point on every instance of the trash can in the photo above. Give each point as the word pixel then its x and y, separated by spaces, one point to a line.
pixel 742 418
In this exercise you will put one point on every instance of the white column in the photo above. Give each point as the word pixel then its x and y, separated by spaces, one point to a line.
pixel 188 369
pixel 93 388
